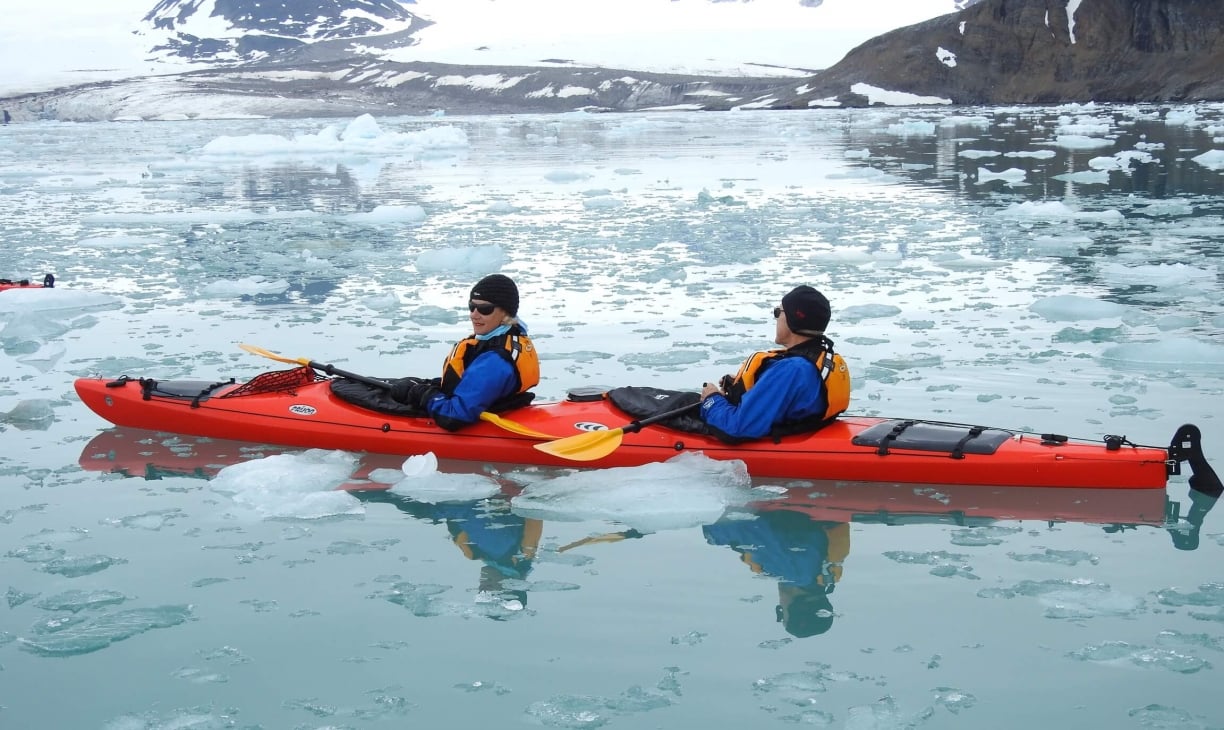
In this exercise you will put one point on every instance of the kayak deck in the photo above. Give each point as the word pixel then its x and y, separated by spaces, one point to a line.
pixel 857 448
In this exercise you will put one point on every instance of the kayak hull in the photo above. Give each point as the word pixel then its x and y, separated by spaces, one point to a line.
pixel 311 416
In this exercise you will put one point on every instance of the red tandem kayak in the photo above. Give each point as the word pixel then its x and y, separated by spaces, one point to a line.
pixel 294 408
pixel 48 282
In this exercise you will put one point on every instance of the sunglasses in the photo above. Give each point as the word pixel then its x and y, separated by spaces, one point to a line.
pixel 777 312
pixel 485 309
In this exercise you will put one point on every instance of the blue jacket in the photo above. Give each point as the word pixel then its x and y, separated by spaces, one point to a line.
pixel 793 550
pixel 488 379
pixel 788 390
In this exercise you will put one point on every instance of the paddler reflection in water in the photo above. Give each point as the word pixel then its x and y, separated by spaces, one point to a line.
pixel 804 554
pixel 797 389
pixel 487 531
pixel 492 370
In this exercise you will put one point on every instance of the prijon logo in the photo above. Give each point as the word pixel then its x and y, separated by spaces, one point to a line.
pixel 302 410
pixel 590 426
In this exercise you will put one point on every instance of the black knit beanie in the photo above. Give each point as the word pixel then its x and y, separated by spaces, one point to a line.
pixel 497 289
pixel 807 310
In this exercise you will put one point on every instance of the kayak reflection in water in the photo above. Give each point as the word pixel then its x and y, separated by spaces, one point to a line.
pixel 492 370
pixel 484 530
pixel 804 554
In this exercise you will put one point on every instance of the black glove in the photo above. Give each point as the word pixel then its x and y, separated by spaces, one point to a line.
pixel 422 393
pixel 401 390
pixel 724 384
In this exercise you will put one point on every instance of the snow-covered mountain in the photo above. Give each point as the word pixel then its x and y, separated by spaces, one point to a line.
pixel 86 41
pixel 214 31
pixel 193 58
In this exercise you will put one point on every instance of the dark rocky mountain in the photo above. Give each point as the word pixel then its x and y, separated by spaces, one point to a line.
pixel 1030 51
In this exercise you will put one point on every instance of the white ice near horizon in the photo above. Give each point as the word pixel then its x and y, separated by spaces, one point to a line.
pixel 89 41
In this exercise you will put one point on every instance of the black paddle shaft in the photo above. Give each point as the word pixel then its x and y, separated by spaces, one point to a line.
pixel 333 370
pixel 638 425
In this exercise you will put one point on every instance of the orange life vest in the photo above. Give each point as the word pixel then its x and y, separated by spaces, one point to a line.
pixel 514 346
pixel 834 377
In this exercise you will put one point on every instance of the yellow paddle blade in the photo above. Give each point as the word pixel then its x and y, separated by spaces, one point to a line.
pixel 514 426
pixel 587 446
pixel 273 356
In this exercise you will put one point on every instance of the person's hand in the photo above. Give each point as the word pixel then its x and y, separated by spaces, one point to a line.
pixel 422 393
pixel 401 390
pixel 709 389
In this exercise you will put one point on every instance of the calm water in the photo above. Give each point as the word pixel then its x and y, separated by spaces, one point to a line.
pixel 1058 269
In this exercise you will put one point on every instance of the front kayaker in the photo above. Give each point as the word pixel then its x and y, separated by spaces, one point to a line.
pixel 797 389
pixel 492 370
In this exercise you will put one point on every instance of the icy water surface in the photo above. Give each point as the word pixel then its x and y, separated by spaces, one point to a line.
pixel 1054 269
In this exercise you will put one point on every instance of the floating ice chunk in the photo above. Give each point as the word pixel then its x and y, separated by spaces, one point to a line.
pixel 1085 177
pixel 566 176
pixel 250 286
pixel 1057 210
pixel 1072 308
pixel 958 120
pixel 859 312
pixel 298 485
pixel 363 127
pixel 862 154
pixel 1212 159
pixel 82 634
pixel 1059 245
pixel 1081 142
pixel 58 301
pixel 1176 352
pixel 1175 322
pixel 978 154
pixel 912 128
pixel 386 214
pixel 44 358
pixel 1011 175
pixel 477 259
pixel 966 261
pixel 1181 117
pixel 1170 207
pixel 501 207
pixel 120 241
pixel 666 360
pixel 34 414
pixel 688 490
pixel 421 480
pixel 602 202
pixel 30 327
pixel 420 465
pixel 1157 275
pixel 383 302
pixel 1034 154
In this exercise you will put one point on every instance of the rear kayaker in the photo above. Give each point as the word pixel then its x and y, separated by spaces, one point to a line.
pixel 300 408
pixel 48 282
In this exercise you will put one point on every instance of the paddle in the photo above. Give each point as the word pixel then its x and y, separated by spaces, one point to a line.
pixel 492 418
pixel 594 445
